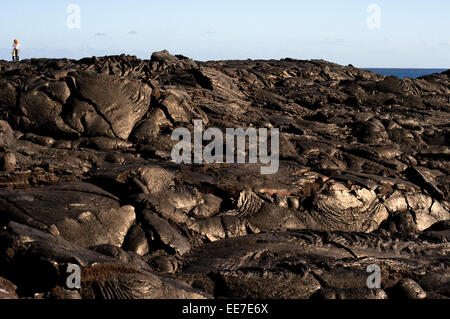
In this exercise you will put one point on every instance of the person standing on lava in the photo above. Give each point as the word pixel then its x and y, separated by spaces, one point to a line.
pixel 16 51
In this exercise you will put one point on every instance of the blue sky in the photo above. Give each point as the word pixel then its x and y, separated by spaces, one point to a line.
pixel 413 33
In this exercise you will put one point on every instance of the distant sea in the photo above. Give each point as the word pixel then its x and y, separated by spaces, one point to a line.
pixel 401 73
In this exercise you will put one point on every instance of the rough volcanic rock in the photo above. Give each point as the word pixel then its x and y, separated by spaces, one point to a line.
pixel 338 208
pixel 6 135
pixel 81 213
pixel 292 262
pixel 410 289
pixel 102 277
pixel 117 103
pixel 87 177
pixel 7 289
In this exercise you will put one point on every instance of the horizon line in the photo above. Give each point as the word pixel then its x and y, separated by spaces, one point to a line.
pixel 239 59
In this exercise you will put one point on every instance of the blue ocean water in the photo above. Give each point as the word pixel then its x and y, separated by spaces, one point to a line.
pixel 401 73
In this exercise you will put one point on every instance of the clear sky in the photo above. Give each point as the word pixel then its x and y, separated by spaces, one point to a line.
pixel 411 33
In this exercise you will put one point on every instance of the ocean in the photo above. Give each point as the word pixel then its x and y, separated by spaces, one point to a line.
pixel 401 73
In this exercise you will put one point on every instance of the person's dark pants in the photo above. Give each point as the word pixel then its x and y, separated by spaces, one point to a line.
pixel 16 56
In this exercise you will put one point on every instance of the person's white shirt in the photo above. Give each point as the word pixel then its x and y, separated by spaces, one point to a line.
pixel 16 47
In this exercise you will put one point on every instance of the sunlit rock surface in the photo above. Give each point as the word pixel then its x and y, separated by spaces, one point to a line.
pixel 87 178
